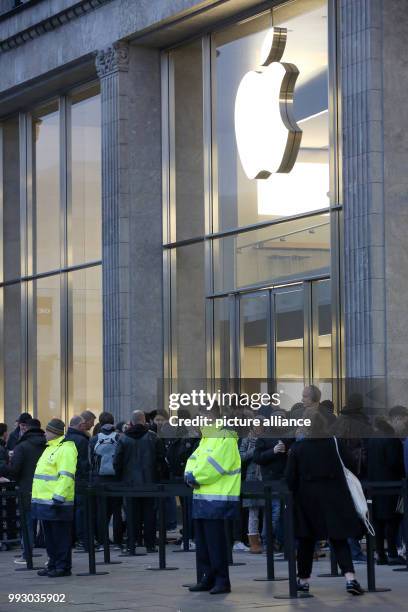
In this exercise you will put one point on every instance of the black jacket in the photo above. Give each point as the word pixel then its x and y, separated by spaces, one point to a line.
pixel 385 462
pixel 139 457
pixel 3 454
pixel 323 504
pixel 13 438
pixel 26 454
pixel 272 464
pixel 81 441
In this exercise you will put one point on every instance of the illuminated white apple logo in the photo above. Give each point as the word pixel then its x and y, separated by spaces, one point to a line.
pixel 268 137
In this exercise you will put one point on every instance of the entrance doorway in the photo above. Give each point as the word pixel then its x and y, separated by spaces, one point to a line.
pixel 276 339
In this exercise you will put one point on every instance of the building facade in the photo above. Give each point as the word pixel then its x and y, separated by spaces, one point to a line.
pixel 138 256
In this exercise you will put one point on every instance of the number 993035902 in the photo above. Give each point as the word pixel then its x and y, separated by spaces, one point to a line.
pixel 37 598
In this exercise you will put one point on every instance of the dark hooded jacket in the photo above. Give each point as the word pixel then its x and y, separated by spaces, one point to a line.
pixel 140 456
pixel 27 452
pixel 81 441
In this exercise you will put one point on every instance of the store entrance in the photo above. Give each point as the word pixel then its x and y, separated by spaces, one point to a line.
pixel 280 339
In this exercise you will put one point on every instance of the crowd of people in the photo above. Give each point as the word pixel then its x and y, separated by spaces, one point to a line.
pixel 52 466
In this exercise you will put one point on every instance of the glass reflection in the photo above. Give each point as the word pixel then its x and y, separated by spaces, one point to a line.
pixel 46 188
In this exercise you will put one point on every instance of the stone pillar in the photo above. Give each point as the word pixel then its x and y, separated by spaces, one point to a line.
pixel 132 227
pixel 363 188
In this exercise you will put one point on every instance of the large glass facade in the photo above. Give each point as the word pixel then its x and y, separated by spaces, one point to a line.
pixel 257 252
pixel 50 263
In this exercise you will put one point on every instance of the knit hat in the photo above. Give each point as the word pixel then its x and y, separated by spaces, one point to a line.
pixel 56 426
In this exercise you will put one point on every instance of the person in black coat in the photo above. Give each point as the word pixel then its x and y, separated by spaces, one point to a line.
pixel 271 455
pixel 323 505
pixel 21 468
pixel 140 459
pixel 21 428
pixel 76 433
pixel 3 442
pixel 386 462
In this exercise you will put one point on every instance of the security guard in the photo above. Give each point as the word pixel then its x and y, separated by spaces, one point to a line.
pixel 53 498
pixel 214 472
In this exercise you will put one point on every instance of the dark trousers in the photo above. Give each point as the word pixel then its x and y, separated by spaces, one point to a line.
pixel 211 552
pixel 58 542
pixel 113 509
pixel 81 527
pixel 143 520
pixel 305 552
pixel 387 530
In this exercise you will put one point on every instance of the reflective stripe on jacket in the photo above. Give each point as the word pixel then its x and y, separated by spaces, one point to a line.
pixel 54 476
pixel 216 467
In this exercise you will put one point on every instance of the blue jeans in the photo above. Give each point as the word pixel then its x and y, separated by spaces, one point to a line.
pixel 276 521
pixel 30 544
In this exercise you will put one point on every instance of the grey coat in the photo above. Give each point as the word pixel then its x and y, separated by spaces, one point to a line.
pixel 253 471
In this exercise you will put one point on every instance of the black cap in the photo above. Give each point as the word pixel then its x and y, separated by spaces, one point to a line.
pixel 24 418
pixel 34 424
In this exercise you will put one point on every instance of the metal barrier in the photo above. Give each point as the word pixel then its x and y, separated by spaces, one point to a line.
pixel 265 490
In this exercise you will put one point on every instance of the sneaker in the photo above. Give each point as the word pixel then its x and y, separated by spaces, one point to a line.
pixel 20 560
pixel 353 587
pixel 303 587
pixel 240 547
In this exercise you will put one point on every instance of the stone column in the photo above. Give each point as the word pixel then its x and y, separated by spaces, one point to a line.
pixel 132 227
pixel 363 187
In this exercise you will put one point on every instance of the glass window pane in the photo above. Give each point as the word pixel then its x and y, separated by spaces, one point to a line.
pixel 187 183
pixel 222 339
pixel 254 342
pixel 11 199
pixel 278 253
pixel 46 188
pixel 322 361
pixel 87 381
pixel 85 235
pixel 11 350
pixel 48 354
pixel 188 315
pixel 289 333
pixel 244 201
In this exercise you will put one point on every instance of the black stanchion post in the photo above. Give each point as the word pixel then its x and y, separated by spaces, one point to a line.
pixel 291 551
pixel 334 572
pixel 371 586
pixel 105 531
pixel 27 545
pixel 228 525
pixel 90 509
pixel 404 524
pixel 162 539
pixel 270 565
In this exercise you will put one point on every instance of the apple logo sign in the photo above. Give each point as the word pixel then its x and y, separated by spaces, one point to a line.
pixel 268 137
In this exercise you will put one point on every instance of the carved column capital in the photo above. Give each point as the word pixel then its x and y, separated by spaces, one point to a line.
pixel 114 58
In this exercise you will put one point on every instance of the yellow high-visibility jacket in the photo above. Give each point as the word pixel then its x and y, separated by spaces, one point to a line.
pixel 216 467
pixel 54 481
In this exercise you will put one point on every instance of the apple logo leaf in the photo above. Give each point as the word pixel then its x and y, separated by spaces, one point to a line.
pixel 268 137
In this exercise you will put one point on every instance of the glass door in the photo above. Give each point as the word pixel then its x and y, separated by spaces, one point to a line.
pixel 254 333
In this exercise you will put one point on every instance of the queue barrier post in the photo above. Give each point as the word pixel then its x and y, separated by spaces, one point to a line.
pixel 162 539
pixel 105 527
pixel 404 524
pixel 270 563
pixel 90 521
pixel 27 543
pixel 334 571
pixel 291 551
pixel 371 583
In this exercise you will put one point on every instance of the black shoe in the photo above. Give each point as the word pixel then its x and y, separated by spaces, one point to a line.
pixel 59 573
pixel 218 590
pixel 303 587
pixel 151 549
pixel 353 587
pixel 199 587
pixel 43 572
pixel 396 560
